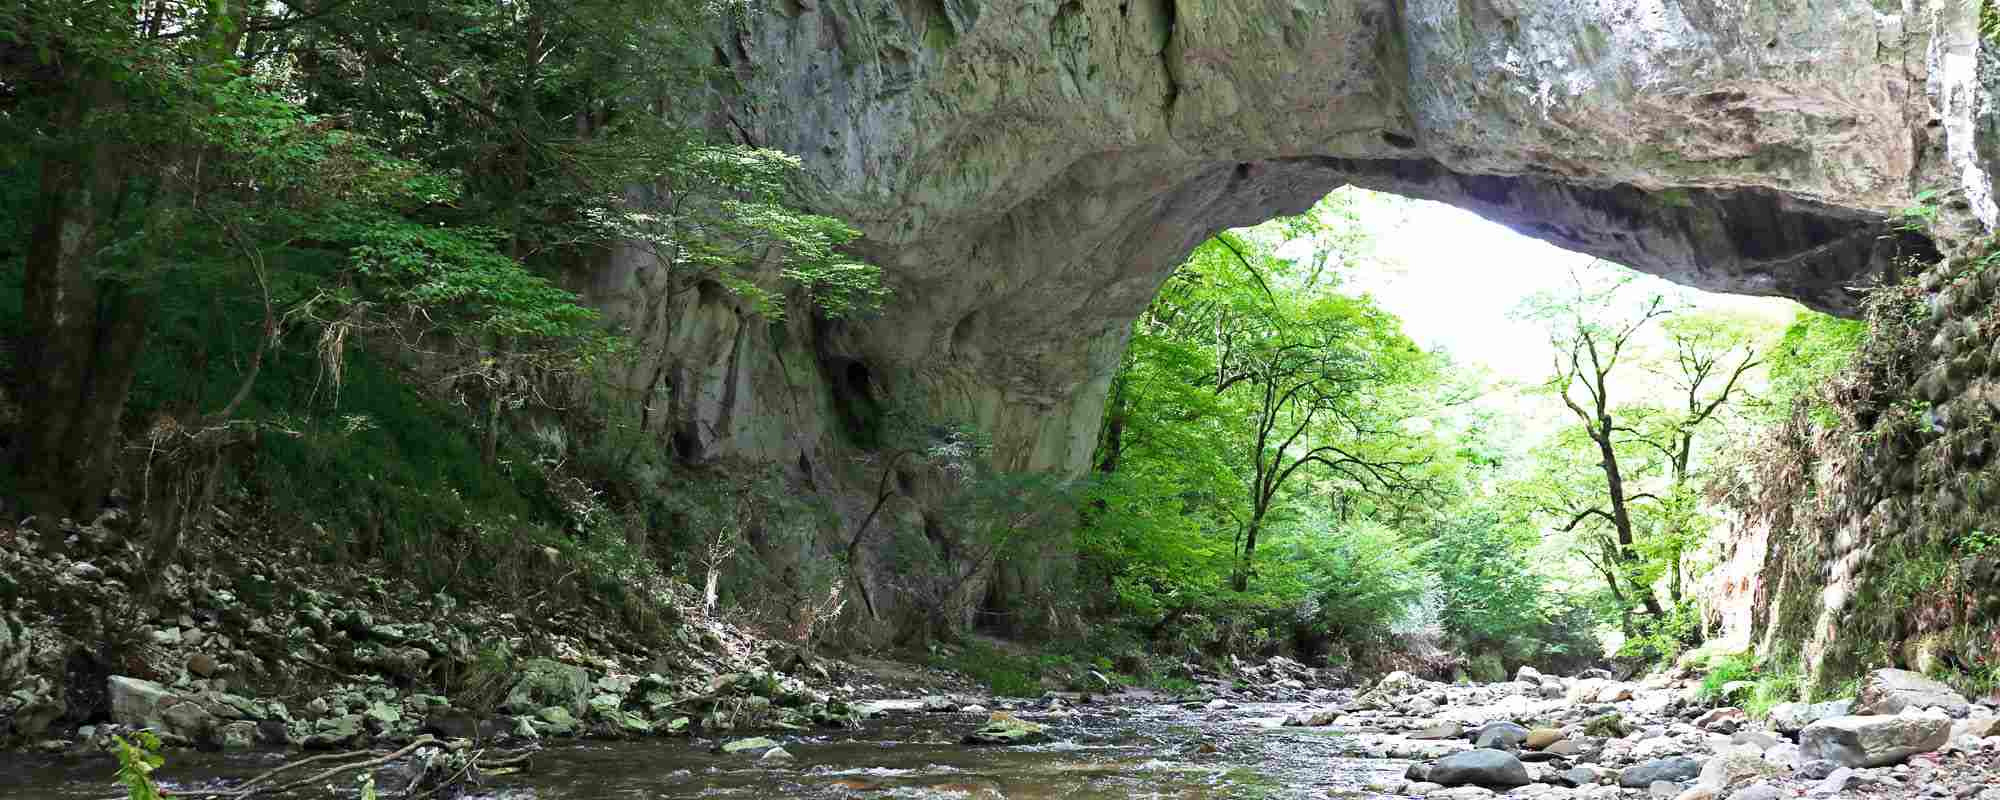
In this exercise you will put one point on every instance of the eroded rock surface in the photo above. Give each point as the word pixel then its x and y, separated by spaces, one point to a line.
pixel 1028 175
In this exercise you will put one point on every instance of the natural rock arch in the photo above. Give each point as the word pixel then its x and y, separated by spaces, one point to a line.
pixel 1029 174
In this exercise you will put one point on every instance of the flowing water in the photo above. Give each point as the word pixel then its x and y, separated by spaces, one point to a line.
pixel 1106 750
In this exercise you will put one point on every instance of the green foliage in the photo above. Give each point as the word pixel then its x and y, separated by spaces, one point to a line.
pixel 1660 641
pixel 137 759
pixel 1007 675
pixel 1724 670
pixel 1812 349
pixel 1774 687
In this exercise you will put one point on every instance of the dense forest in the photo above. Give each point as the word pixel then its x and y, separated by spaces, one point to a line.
pixel 304 310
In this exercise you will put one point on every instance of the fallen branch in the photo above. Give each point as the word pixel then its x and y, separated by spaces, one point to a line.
pixel 250 787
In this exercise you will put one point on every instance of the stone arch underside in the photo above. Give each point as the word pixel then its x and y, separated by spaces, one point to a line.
pixel 1029 173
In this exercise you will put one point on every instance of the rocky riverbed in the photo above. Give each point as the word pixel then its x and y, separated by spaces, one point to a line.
pixel 1267 733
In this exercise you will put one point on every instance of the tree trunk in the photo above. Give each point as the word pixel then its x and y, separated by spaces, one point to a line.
pixel 1621 516
pixel 84 332
pixel 1241 580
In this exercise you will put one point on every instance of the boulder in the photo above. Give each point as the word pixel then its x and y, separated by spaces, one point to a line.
pixel 1675 769
pixel 1442 730
pixel 1541 738
pixel 545 683
pixel 1734 769
pixel 1782 754
pixel 1889 691
pixel 556 721
pixel 1833 784
pixel 1790 718
pixel 1481 767
pixel 1004 730
pixel 334 732
pixel 1577 777
pixel 140 703
pixel 1873 740
pixel 1758 791
pixel 1311 719
pixel 1500 736
pixel 1722 720
pixel 753 746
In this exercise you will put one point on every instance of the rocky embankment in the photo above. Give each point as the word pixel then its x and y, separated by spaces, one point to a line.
pixel 259 646
pixel 1595 738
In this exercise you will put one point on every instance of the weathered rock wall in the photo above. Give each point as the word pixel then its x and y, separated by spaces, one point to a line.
pixel 1861 537
pixel 1028 173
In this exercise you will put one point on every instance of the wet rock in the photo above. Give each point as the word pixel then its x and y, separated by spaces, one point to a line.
pixel 1677 768
pixel 753 746
pixel 1418 772
pixel 1890 691
pixel 1541 738
pixel 1790 718
pixel 1442 730
pixel 459 725
pixel 1481 767
pixel 1872 741
pixel 1007 731
pixel 240 735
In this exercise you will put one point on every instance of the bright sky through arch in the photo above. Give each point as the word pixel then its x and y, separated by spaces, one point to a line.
pixel 1455 279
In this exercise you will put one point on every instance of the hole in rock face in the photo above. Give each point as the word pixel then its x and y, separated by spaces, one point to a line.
pixel 962 336
pixel 710 293
pixel 854 398
pixel 1397 140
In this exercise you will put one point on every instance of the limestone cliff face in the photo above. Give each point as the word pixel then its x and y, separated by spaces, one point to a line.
pixel 1029 172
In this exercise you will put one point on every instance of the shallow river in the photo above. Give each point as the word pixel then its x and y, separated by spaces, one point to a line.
pixel 1107 750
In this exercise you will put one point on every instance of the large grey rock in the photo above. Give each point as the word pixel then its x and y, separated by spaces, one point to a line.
pixel 1890 691
pixel 544 683
pixel 1872 741
pixel 1789 718
pixel 1481 767
pixel 1501 736
pixel 1675 769
pixel 140 703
